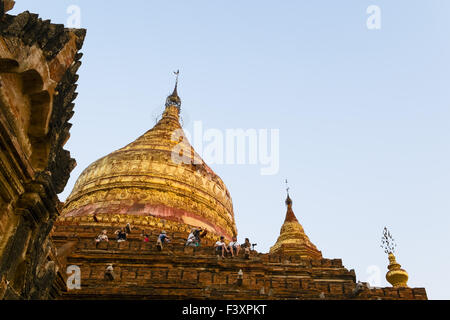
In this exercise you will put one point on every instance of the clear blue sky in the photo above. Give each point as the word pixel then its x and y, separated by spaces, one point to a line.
pixel 363 114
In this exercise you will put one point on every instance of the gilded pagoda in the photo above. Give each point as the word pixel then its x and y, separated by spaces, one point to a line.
pixel 144 185
pixel 48 249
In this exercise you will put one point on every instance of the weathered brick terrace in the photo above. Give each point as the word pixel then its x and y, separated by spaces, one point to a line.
pixel 179 272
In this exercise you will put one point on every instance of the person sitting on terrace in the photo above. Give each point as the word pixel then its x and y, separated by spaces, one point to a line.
pixel 162 238
pixel 246 246
pixel 128 228
pixel 195 237
pixel 146 237
pixel 234 247
pixel 221 247
pixel 109 273
pixel 192 240
pixel 121 235
pixel 101 237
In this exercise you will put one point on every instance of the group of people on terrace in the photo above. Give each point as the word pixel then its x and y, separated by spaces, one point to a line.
pixel 193 240
pixel 121 235
pixel 232 248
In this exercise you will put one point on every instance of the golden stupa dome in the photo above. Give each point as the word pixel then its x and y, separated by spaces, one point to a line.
pixel 158 177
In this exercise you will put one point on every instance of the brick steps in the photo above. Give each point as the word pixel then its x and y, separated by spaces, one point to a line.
pixel 178 272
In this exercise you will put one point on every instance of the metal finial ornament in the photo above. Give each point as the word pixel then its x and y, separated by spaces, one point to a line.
pixel 176 73
pixel 288 198
pixel 388 242
pixel 174 99
pixel 396 276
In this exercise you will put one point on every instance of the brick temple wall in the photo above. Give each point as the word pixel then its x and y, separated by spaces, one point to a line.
pixel 38 65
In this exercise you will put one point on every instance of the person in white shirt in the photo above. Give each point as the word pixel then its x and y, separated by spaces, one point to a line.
pixel 190 242
pixel 101 237
pixel 234 247
pixel 221 247
pixel 109 273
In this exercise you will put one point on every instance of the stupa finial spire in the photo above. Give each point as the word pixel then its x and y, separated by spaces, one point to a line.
pixel 174 99
pixel 396 276
pixel 177 74
pixel 288 198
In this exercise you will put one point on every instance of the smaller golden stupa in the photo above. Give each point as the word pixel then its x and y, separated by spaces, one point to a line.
pixel 293 239
pixel 396 276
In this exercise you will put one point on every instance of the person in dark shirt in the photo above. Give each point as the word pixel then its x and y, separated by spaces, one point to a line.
pixel 162 238
pixel 198 235
pixel 121 235
pixel 246 246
